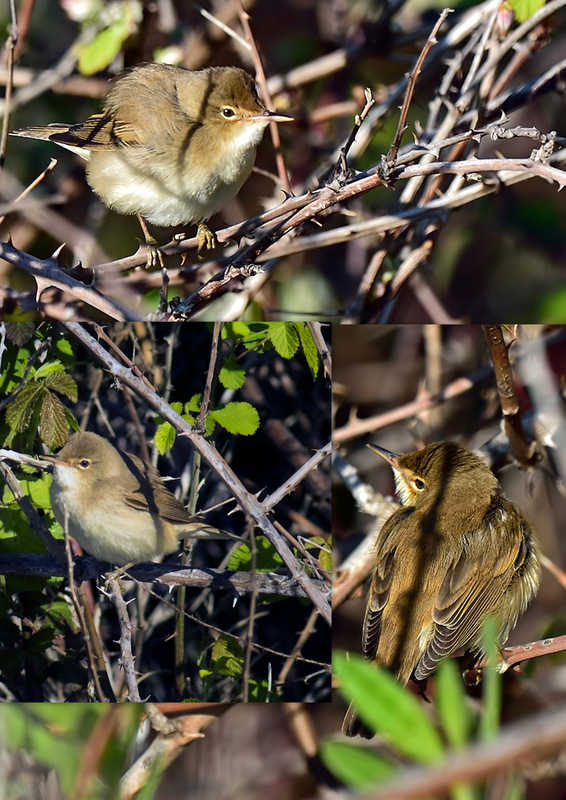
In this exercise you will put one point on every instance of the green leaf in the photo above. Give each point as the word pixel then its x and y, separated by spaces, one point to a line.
pixel 260 692
pixel 227 657
pixel 309 347
pixel 491 711
pixel 356 766
pixel 257 336
pixel 232 375
pixel 16 535
pixel 96 55
pixel 62 383
pixel 19 332
pixel 71 421
pixel 239 418
pixel 59 614
pixel 53 426
pixel 451 705
pixel 267 558
pixel 389 708
pixel 193 406
pixel 37 489
pixel 14 363
pixel 47 369
pixel 64 347
pixel 164 438
pixel 524 9
pixel 20 411
pixel 235 330
pixel 209 426
pixel 284 337
pixel 324 547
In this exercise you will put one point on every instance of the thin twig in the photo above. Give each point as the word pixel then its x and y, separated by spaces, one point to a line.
pixel 87 627
pixel 249 638
pixel 293 481
pixel 262 81
pixel 11 45
pixel 341 170
pixel 226 28
pixel 411 83
pixel 127 658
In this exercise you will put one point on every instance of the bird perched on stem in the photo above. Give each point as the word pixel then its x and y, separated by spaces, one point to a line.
pixel 170 145
pixel 116 506
pixel 456 552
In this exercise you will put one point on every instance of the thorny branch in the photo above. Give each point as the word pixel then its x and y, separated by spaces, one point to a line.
pixel 248 502
pixel 411 83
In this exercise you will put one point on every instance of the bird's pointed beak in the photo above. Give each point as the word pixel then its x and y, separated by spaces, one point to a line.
pixel 391 458
pixel 55 461
pixel 272 116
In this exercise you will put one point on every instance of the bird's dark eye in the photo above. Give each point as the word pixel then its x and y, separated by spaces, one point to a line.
pixel 228 112
pixel 418 484
pixel 84 463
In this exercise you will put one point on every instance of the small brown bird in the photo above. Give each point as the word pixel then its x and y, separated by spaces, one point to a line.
pixel 116 506
pixel 456 552
pixel 170 145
